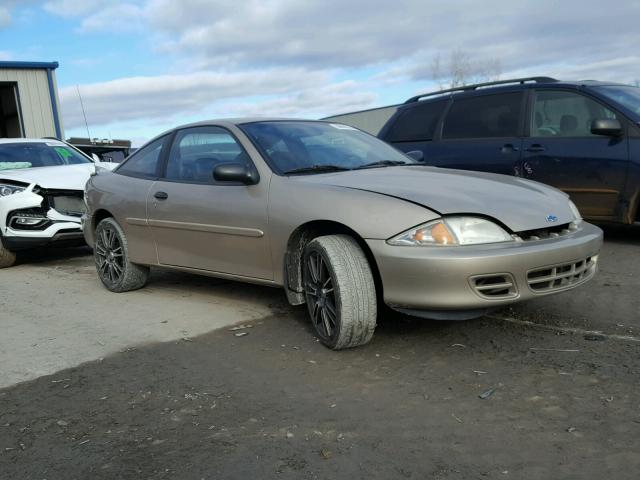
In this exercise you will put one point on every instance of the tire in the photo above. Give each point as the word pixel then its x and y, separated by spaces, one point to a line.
pixel 339 291
pixel 111 254
pixel 7 257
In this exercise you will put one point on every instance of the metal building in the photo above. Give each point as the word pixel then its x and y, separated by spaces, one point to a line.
pixel 371 121
pixel 29 104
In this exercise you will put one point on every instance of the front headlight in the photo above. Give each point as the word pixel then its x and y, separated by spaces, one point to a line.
pixel 453 231
pixel 8 189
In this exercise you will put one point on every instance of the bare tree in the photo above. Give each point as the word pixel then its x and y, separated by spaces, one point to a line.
pixel 462 70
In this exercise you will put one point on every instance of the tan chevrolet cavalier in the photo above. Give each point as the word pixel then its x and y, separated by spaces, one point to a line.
pixel 337 218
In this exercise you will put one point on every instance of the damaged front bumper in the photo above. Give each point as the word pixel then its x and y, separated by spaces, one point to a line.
pixel 28 221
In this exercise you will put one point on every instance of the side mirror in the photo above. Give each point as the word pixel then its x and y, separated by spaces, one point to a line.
pixel 96 158
pixel 235 172
pixel 609 127
pixel 417 155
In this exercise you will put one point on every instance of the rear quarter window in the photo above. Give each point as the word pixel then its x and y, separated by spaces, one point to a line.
pixel 417 123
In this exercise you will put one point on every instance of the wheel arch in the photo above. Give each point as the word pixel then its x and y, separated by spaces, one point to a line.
pixel 98 216
pixel 296 244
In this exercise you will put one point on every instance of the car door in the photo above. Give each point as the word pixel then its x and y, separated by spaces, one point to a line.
pixel 483 133
pixel 207 225
pixel 561 151
pixel 138 176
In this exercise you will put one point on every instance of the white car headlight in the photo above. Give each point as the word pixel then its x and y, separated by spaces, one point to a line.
pixel 8 189
pixel 453 231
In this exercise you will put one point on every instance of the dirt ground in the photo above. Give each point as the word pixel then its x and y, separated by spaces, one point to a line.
pixel 495 397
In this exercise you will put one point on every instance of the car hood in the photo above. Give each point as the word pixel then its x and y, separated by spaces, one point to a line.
pixel 517 203
pixel 63 177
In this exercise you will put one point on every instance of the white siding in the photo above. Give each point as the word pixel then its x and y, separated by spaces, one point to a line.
pixel 371 121
pixel 35 101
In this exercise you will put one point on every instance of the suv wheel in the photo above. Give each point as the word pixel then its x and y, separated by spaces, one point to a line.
pixel 111 254
pixel 340 291
pixel 7 257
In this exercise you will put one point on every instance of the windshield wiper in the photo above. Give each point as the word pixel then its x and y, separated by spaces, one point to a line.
pixel 317 169
pixel 384 163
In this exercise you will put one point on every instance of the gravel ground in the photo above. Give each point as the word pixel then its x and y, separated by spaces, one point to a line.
pixel 489 398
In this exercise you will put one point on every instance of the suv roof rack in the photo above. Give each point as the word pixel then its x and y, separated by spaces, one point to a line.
pixel 465 88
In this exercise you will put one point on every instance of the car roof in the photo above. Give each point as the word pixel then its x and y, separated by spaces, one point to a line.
pixel 227 122
pixel 506 86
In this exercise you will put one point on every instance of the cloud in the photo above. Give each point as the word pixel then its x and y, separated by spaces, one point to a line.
pixel 312 102
pixel 5 55
pixel 165 98
pixel 75 8
pixel 5 17
pixel 338 34
pixel 100 15
pixel 321 57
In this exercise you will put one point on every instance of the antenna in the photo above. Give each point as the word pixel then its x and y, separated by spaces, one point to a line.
pixel 83 112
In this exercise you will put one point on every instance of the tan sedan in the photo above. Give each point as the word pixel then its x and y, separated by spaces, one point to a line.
pixel 337 218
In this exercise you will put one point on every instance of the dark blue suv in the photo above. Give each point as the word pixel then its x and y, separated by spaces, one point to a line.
pixel 581 137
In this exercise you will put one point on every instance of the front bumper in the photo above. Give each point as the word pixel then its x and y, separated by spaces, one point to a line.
pixel 56 228
pixel 440 279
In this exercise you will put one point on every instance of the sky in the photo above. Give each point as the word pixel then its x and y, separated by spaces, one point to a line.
pixel 145 66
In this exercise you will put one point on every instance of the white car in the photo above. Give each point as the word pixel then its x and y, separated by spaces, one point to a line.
pixel 41 194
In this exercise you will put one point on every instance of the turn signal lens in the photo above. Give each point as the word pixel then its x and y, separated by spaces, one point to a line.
pixel 435 233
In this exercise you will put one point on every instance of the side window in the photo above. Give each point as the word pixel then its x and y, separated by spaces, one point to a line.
pixel 559 113
pixel 416 123
pixel 197 151
pixel 484 117
pixel 144 162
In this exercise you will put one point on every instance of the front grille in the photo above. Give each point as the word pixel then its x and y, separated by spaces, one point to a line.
pixel 68 205
pixel 494 286
pixel 562 276
pixel 545 233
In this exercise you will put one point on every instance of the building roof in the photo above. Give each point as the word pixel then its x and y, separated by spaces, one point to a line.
pixel 30 65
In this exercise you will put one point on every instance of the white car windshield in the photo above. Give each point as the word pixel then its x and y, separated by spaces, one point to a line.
pixel 38 154
pixel 306 147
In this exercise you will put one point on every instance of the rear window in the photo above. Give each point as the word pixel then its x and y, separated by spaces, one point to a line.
pixel 416 123
pixel 484 117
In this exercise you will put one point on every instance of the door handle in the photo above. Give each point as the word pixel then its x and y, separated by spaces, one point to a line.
pixel 161 195
pixel 536 147
pixel 509 147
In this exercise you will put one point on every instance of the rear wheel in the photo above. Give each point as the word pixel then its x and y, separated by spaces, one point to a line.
pixel 7 257
pixel 111 254
pixel 339 291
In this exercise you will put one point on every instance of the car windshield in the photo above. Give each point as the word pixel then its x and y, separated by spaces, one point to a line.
pixel 38 154
pixel 626 96
pixel 316 147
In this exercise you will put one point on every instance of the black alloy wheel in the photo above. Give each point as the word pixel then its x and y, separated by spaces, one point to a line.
pixel 320 295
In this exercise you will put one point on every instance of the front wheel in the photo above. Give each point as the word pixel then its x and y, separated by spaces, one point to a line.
pixel 111 253
pixel 339 291
pixel 7 257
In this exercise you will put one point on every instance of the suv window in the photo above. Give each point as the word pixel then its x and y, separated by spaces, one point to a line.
pixel 559 113
pixel 416 123
pixel 197 151
pixel 144 162
pixel 484 117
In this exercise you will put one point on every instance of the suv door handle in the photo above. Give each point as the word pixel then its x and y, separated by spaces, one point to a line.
pixel 161 195
pixel 536 147
pixel 509 147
